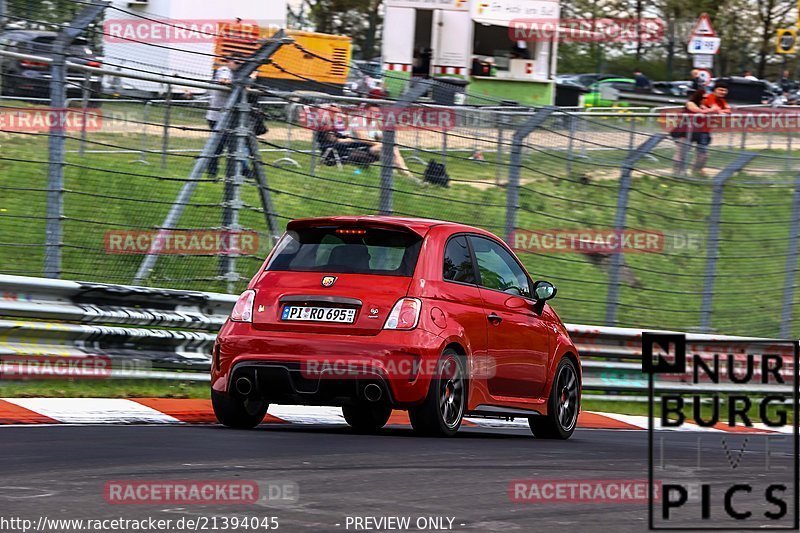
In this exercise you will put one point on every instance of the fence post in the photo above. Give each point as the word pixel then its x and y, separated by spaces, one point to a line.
pixel 414 92
pixel 57 139
pixel 185 194
pixel 233 202
pixel 712 241
pixel 791 264
pixel 85 93
pixel 499 154
pixel 143 144
pixel 612 298
pixel 167 121
pixel 515 162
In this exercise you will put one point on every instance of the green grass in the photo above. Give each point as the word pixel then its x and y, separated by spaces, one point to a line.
pixel 117 388
pixel 641 409
pixel 113 192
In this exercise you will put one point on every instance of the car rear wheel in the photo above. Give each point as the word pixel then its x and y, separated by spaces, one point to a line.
pixel 563 405
pixel 367 417
pixel 441 413
pixel 239 413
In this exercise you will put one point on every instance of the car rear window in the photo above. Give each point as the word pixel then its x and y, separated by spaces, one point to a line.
pixel 347 250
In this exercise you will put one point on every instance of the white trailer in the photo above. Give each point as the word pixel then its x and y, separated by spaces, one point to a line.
pixel 173 37
pixel 443 37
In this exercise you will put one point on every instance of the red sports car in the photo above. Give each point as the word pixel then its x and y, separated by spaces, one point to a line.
pixel 376 313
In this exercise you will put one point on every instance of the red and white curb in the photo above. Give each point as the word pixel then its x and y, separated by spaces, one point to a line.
pixel 18 411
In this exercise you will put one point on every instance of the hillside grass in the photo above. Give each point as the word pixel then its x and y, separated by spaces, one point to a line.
pixel 112 191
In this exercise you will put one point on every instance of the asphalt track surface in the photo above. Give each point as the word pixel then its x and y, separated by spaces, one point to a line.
pixel 61 472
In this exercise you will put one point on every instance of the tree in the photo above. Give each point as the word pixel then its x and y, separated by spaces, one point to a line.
pixel 359 19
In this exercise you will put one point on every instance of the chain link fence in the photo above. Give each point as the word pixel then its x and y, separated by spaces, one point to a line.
pixel 605 203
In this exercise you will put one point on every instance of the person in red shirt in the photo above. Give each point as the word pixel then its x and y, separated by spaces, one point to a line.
pixel 713 103
pixel 700 104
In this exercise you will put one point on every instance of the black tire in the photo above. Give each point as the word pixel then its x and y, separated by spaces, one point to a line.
pixel 367 417
pixel 563 405
pixel 238 413
pixel 441 413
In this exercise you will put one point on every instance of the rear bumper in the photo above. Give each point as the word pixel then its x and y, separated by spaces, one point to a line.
pixel 324 369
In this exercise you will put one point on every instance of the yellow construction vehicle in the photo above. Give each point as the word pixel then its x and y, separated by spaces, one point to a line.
pixel 313 62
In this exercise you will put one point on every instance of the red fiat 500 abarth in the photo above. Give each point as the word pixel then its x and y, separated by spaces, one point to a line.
pixel 373 313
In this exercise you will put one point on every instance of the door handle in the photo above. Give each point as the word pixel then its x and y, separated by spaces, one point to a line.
pixel 494 318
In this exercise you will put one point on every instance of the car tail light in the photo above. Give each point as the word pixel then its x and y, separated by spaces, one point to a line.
pixel 243 310
pixel 32 64
pixel 404 315
pixel 95 64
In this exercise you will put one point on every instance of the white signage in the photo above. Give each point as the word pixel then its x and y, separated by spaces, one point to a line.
pixel 703 61
pixel 502 12
pixel 450 5
pixel 704 45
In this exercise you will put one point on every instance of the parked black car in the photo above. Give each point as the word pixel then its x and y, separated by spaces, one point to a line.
pixel 672 88
pixel 24 77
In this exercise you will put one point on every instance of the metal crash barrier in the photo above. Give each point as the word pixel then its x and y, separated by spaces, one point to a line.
pixel 164 333
pixel 144 332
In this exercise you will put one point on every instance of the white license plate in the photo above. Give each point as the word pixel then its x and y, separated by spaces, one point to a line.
pixel 318 314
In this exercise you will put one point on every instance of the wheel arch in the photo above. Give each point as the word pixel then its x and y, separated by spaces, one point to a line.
pixel 457 347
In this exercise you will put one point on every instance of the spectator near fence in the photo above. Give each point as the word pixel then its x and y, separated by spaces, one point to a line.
pixel 224 76
pixel 786 83
pixel 697 82
pixel 696 131
pixel 642 83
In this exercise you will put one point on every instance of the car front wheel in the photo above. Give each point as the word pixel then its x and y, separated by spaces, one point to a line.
pixel 239 413
pixel 441 413
pixel 563 405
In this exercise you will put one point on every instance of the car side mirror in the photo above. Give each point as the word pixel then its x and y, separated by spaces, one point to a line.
pixel 542 291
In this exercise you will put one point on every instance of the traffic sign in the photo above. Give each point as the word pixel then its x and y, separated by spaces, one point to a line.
pixel 703 61
pixel 786 41
pixel 704 45
pixel 703 27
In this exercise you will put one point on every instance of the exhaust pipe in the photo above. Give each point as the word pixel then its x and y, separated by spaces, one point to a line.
pixel 373 392
pixel 244 386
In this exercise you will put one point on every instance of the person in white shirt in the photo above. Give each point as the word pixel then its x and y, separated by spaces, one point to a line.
pixel 224 76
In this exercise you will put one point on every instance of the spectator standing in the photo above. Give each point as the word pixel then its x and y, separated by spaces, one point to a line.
pixel 697 81
pixel 224 76
pixel 642 82
pixel 786 83
pixel 699 134
pixel 748 75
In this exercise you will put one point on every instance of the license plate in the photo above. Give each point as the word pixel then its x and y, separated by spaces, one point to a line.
pixel 318 314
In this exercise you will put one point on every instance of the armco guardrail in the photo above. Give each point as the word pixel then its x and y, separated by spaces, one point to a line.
pixel 164 333
pixel 145 332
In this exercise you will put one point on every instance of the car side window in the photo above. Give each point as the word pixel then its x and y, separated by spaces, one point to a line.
pixel 458 262
pixel 498 268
